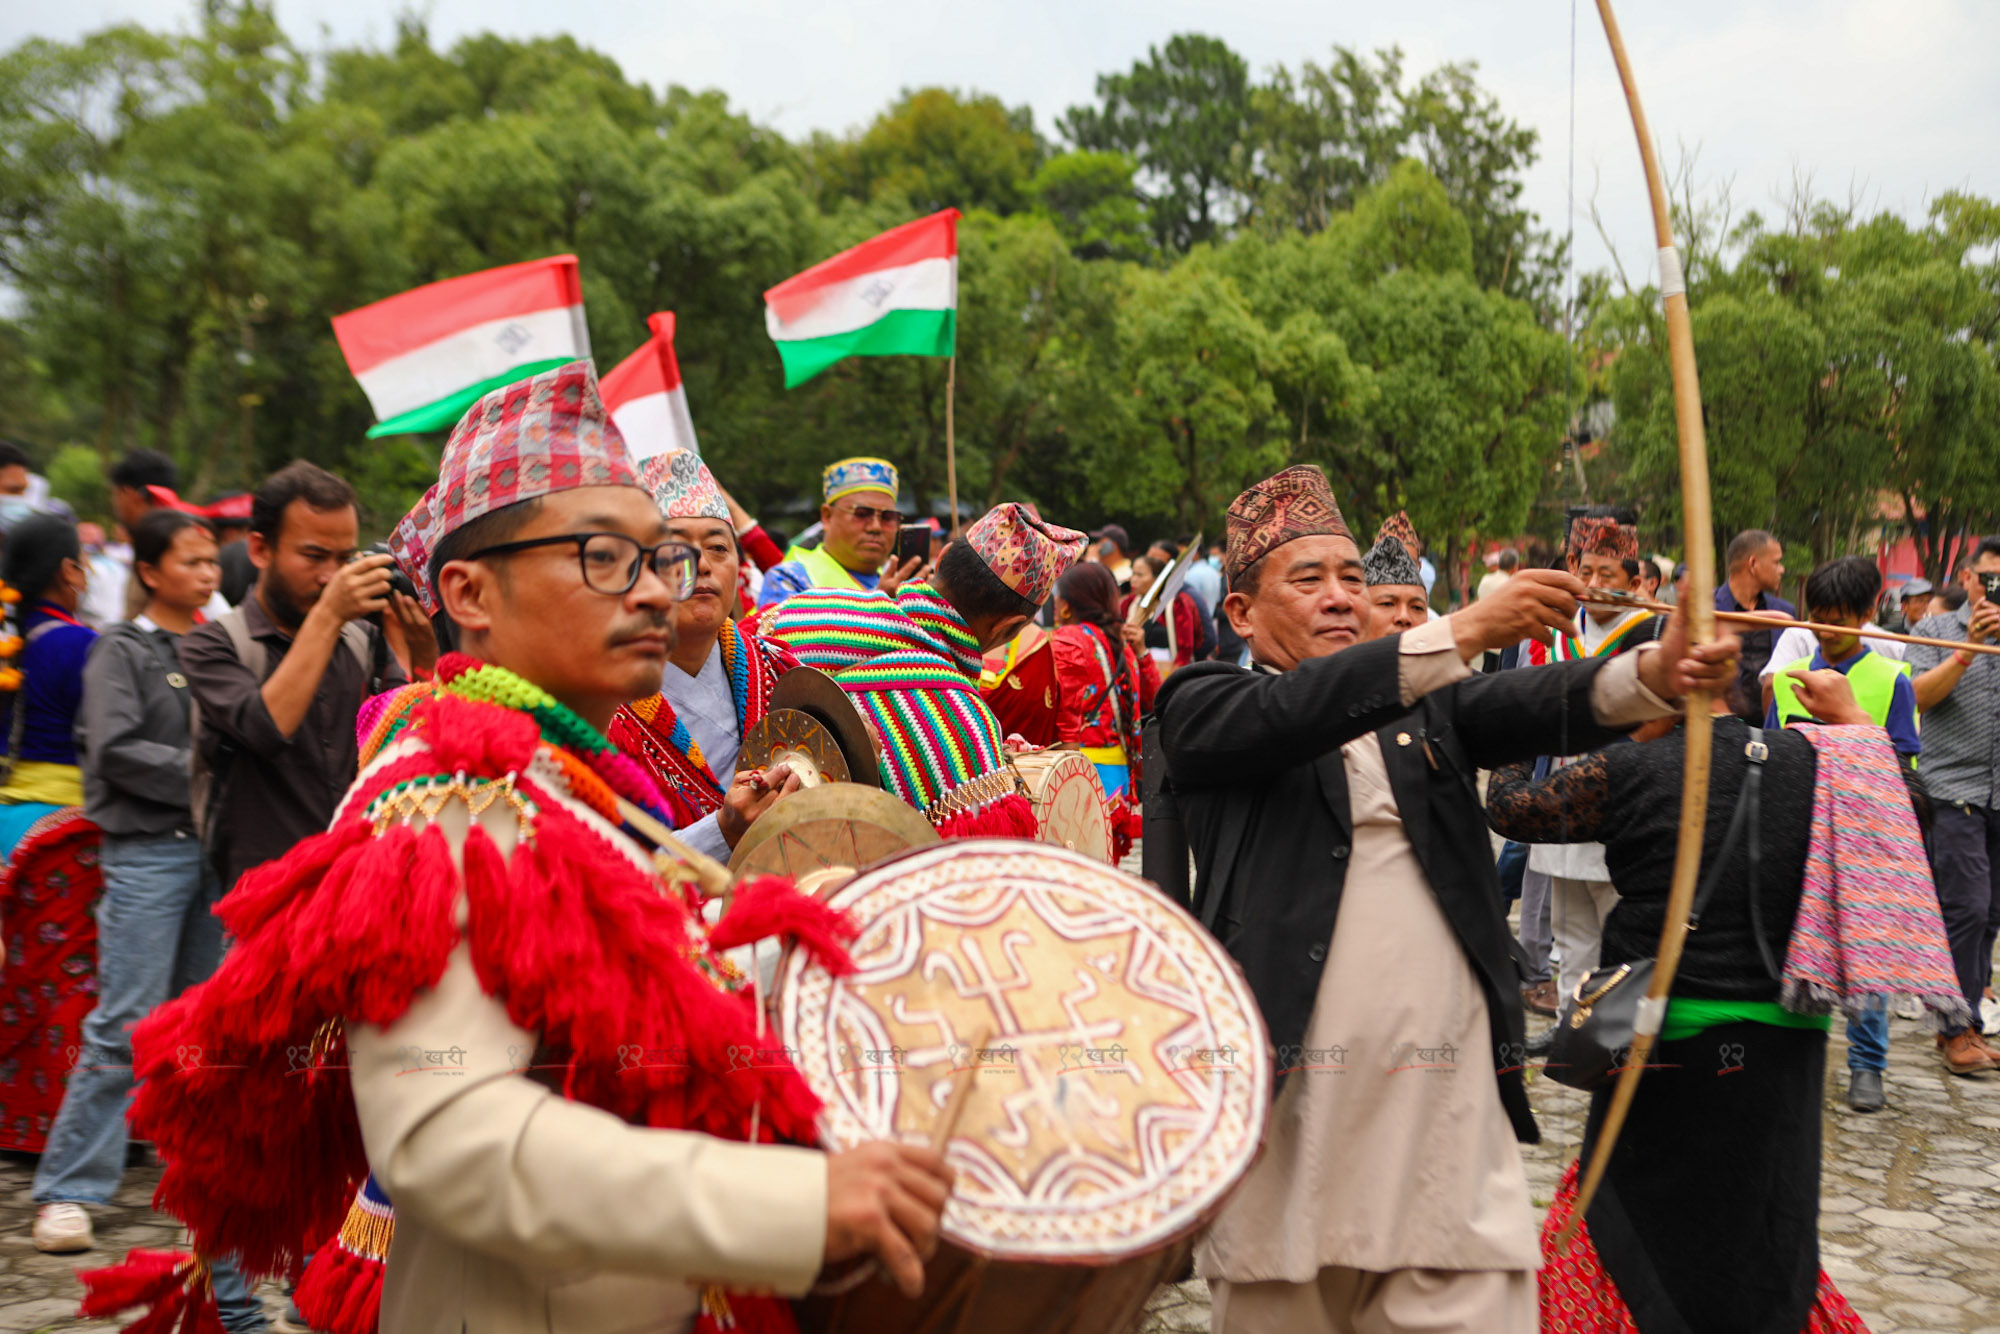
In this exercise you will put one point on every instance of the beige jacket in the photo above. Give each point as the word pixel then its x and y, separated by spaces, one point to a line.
pixel 518 1210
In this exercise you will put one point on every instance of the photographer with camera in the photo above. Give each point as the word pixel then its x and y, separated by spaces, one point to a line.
pixel 1958 695
pixel 278 682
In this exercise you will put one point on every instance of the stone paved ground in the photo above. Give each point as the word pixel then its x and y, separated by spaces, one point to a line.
pixel 1910 1221
pixel 1910 1197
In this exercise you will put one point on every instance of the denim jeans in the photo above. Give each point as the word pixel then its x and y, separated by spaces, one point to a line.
pixel 157 935
pixel 1868 1039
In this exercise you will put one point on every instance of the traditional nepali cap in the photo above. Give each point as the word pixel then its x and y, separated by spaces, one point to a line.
pixel 683 487
pixel 1603 536
pixel 1027 551
pixel 859 475
pixel 1398 526
pixel 1393 558
pixel 1293 504
pixel 533 438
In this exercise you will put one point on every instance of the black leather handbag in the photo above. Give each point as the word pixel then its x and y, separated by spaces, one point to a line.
pixel 1598 1019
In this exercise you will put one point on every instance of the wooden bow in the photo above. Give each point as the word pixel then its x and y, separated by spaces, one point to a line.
pixel 1699 536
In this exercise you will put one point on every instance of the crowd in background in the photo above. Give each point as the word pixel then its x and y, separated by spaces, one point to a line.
pixel 184 696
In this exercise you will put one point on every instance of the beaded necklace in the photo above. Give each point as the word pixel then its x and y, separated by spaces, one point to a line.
pixel 574 738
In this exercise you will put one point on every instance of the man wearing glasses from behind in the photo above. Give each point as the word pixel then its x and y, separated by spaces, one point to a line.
pixel 860 518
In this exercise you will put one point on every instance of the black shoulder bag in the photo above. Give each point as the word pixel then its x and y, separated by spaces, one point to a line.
pixel 1598 1019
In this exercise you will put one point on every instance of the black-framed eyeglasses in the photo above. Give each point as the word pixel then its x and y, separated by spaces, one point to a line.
pixel 611 561
pixel 870 513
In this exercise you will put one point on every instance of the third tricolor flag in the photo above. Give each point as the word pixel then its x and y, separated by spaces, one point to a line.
pixel 644 395
pixel 896 295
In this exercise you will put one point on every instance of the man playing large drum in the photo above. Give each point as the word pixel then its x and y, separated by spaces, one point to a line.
pixel 1335 781
pixel 479 984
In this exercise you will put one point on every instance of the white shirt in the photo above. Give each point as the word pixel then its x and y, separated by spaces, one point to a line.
pixel 1578 861
pixel 1796 643
pixel 704 703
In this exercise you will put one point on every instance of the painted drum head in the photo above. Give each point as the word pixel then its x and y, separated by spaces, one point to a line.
pixel 1125 1073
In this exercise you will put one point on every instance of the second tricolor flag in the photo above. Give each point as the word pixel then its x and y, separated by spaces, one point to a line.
pixel 644 395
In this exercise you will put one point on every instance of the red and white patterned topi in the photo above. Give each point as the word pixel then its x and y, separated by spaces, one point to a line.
pixel 529 439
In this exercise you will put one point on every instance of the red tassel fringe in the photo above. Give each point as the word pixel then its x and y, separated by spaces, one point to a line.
pixel 163 1282
pixel 769 906
pixel 1011 816
pixel 341 1292
pixel 243 1080
pixel 1127 824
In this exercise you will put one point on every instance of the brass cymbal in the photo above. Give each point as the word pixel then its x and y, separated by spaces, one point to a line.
pixel 838 824
pixel 799 739
pixel 813 692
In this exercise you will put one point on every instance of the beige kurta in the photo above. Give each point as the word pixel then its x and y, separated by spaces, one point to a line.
pixel 518 1210
pixel 1390 1150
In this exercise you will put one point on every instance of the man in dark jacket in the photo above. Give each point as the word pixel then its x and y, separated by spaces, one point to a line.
pixel 1337 779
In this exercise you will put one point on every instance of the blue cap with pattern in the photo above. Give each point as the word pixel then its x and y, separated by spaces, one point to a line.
pixel 859 475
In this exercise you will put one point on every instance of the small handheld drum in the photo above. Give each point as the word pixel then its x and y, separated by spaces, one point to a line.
pixel 789 736
pixel 1069 800
pixel 839 825
pixel 1111 1074
pixel 812 692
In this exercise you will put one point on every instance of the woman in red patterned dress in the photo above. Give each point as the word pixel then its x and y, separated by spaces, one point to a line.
pixel 50 881
pixel 1103 688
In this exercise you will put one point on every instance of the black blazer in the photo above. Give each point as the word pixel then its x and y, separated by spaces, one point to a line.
pixel 1261 791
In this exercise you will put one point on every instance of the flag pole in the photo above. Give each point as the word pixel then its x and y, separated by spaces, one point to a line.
pixel 950 446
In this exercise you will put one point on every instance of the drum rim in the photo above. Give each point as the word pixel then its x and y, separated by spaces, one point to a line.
pixel 915 829
pixel 1188 1208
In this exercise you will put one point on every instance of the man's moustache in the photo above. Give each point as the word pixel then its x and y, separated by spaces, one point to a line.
pixel 655 623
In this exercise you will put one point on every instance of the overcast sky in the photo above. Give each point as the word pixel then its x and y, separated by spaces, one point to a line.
pixel 1898 99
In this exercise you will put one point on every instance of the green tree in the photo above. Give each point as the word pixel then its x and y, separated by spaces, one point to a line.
pixel 1184 114
pixel 1203 420
pixel 937 148
pixel 1091 199
pixel 1848 380
pixel 1326 135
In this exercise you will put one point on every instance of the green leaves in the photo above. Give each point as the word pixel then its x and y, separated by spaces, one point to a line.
pixel 1848 378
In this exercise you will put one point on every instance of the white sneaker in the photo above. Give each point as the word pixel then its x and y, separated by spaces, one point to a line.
pixel 63 1228
pixel 1907 1007
pixel 1989 1017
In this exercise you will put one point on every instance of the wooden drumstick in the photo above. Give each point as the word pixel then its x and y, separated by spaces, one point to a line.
pixel 961 1093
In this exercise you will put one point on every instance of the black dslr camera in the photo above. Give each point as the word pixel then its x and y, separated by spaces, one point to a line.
pixel 398 580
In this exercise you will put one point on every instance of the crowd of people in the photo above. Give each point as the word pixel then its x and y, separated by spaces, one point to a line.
pixel 312 806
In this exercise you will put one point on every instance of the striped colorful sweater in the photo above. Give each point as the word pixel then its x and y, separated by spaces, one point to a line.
pixel 913 667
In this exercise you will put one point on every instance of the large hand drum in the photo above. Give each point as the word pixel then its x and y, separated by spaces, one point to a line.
pixel 1070 806
pixel 1119 1095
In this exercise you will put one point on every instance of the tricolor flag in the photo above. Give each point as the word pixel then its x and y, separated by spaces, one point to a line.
pixel 896 295
pixel 427 355
pixel 645 396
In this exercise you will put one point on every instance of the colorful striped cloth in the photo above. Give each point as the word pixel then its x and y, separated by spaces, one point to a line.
pixel 1868 923
pixel 913 667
